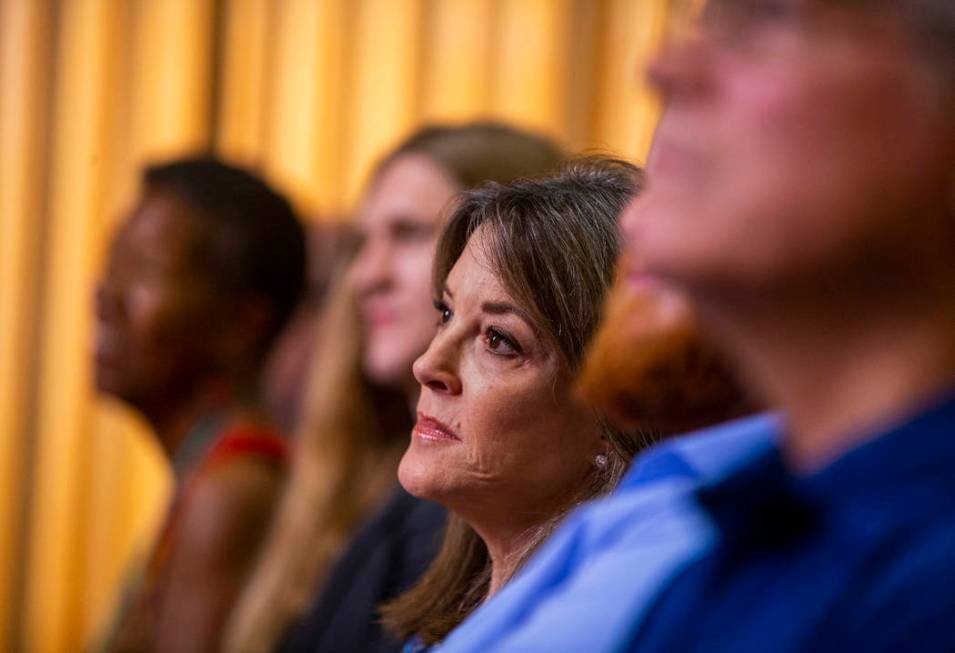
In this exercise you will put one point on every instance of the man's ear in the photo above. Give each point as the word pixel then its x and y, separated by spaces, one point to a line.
pixel 252 319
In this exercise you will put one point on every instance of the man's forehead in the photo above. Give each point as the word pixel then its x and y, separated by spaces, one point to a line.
pixel 761 6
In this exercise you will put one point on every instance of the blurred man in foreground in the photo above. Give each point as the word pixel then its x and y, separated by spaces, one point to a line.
pixel 800 190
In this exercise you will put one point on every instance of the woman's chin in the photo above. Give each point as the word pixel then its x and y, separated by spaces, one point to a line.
pixel 417 475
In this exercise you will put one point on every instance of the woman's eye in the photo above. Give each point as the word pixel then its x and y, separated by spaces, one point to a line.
pixel 404 231
pixel 499 343
pixel 444 313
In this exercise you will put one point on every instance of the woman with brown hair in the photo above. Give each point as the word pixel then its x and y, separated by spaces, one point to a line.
pixel 520 277
pixel 346 539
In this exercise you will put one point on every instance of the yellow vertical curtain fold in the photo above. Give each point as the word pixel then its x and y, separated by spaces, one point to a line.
pixel 309 92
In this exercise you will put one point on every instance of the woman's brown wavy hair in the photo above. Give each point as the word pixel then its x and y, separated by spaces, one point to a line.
pixel 554 243
pixel 353 433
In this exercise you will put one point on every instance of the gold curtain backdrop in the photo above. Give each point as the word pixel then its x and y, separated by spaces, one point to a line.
pixel 310 92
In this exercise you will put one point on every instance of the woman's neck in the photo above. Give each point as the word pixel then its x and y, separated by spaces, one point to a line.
pixel 510 535
pixel 172 420
pixel 506 556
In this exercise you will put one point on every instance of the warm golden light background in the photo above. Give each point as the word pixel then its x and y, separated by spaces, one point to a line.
pixel 308 91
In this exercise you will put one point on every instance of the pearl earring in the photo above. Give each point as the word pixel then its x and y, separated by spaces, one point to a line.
pixel 600 460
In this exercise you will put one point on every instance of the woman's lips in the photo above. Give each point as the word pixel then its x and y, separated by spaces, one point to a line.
pixel 106 349
pixel 377 312
pixel 379 318
pixel 428 428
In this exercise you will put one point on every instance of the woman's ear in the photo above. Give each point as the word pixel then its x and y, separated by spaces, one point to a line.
pixel 603 448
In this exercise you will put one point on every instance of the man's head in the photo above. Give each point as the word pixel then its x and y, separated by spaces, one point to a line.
pixel 650 369
pixel 201 277
pixel 806 144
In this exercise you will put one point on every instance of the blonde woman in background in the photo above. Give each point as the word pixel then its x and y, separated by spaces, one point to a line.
pixel 347 537
pixel 502 440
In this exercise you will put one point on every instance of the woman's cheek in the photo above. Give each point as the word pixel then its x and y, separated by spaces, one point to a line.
pixel 503 427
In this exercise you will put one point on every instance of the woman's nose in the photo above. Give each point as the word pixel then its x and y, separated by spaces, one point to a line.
pixel 371 269
pixel 436 368
pixel 106 300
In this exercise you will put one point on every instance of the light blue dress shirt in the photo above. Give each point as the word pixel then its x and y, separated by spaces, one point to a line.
pixel 587 586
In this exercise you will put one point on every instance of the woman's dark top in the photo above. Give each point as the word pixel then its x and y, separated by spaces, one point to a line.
pixel 390 553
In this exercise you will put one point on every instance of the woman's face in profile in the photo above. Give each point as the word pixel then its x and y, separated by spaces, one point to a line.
pixel 498 438
pixel 156 305
pixel 398 225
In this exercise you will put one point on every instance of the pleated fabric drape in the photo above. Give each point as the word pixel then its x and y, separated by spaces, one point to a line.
pixel 310 92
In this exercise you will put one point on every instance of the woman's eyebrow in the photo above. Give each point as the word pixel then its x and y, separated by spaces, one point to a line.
pixel 504 308
pixel 498 308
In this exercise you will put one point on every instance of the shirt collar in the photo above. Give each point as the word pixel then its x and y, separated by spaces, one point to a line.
pixel 706 454
pixel 902 471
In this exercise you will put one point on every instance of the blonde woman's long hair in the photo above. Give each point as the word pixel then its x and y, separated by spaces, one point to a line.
pixel 346 452
pixel 352 434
